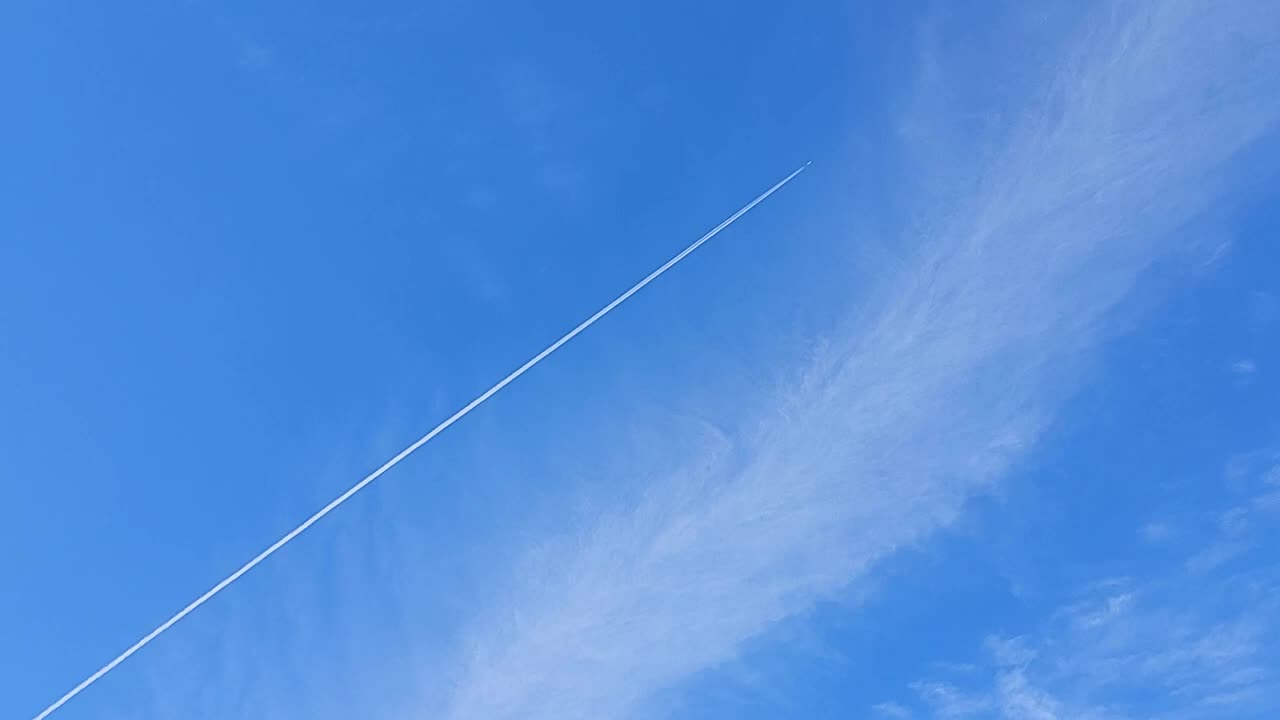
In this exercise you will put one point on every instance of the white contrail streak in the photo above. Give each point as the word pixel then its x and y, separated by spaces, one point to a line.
pixel 407 452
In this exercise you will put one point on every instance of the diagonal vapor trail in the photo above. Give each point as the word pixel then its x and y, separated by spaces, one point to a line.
pixel 333 505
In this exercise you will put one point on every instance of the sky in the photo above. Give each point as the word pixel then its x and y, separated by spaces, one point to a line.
pixel 976 418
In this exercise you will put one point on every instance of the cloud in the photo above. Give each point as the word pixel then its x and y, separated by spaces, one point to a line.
pixel 1155 532
pixel 1237 528
pixel 1244 367
pixel 891 710
pixel 1161 650
pixel 1195 642
pixel 1012 695
pixel 948 701
pixel 946 380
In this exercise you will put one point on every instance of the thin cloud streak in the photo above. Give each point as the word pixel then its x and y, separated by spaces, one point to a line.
pixel 904 416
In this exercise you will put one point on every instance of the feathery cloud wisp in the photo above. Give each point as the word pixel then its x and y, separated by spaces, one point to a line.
pixel 903 417
pixel 1176 646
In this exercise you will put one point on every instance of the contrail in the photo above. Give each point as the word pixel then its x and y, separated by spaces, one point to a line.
pixel 333 505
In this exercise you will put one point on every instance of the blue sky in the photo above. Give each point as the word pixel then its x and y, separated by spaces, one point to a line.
pixel 975 419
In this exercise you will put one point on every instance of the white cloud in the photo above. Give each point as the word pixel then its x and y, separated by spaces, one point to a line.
pixel 1237 526
pixel 1244 367
pixel 891 710
pixel 948 701
pixel 1176 646
pixel 1160 650
pixel 908 413
pixel 1155 532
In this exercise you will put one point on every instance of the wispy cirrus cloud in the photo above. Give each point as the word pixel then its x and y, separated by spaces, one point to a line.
pixel 891 710
pixel 1194 642
pixel 1170 649
pixel 947 375
pixel 1127 651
